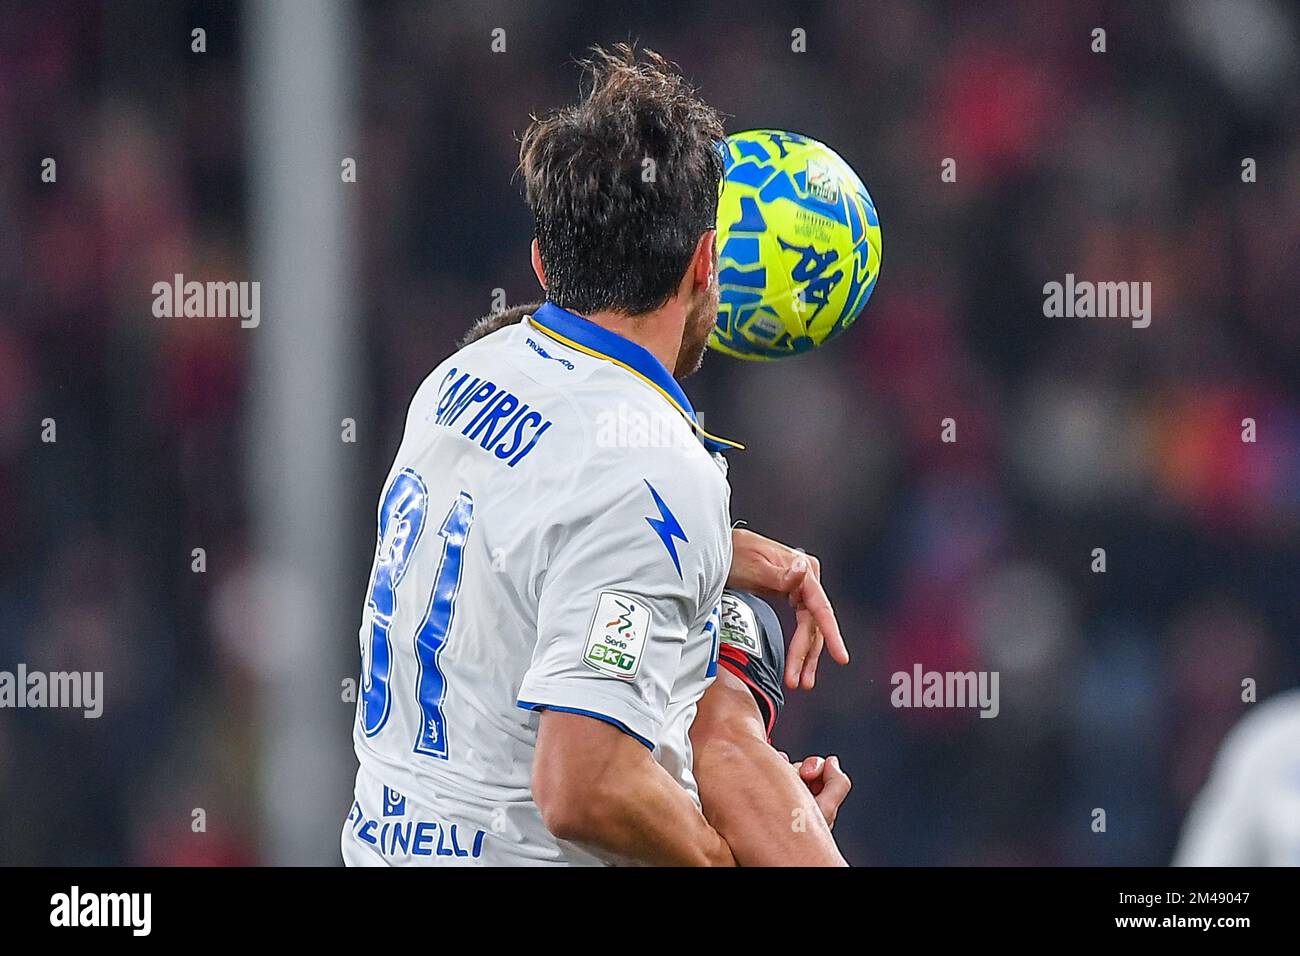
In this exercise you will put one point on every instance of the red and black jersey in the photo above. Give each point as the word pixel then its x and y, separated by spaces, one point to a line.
pixel 752 646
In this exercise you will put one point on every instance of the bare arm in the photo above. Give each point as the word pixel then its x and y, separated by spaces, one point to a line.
pixel 750 793
pixel 769 568
pixel 596 785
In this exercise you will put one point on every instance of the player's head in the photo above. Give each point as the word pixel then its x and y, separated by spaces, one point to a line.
pixel 496 320
pixel 624 192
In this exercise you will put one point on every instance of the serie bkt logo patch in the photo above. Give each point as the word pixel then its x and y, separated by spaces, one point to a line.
pixel 617 638
pixel 739 626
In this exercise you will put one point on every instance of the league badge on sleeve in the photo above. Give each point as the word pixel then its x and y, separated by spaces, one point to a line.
pixel 618 632
pixel 739 626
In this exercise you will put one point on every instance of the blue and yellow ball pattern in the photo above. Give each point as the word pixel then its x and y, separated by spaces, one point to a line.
pixel 799 245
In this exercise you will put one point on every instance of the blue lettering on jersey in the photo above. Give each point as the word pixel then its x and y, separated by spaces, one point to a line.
pixel 712 628
pixel 547 355
pixel 501 422
pixel 408 838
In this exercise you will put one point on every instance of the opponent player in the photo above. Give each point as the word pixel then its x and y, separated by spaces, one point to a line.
pixel 542 617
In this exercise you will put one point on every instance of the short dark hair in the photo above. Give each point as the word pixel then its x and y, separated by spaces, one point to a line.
pixel 623 184
pixel 496 320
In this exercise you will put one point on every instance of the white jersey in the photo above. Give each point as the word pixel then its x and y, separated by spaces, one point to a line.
pixel 554 533
pixel 1248 814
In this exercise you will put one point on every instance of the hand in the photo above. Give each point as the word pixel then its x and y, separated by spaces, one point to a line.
pixel 769 568
pixel 827 782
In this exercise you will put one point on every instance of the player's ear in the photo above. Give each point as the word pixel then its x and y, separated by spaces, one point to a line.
pixel 538 269
pixel 705 260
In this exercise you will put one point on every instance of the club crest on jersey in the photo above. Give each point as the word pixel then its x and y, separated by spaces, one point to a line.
pixel 740 626
pixel 617 638
pixel 394 803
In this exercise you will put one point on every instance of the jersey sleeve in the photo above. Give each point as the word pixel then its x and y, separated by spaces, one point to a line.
pixel 752 647
pixel 620 596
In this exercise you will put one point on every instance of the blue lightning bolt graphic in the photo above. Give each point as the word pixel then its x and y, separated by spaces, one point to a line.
pixel 667 527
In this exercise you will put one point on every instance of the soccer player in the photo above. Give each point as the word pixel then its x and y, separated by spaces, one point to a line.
pixel 544 607
pixel 768 815
pixel 746 792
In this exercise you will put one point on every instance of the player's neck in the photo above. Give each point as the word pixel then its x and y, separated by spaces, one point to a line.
pixel 658 332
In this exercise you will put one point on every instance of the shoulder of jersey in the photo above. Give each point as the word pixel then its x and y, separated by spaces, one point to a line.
pixel 610 417
pixel 537 356
pixel 625 415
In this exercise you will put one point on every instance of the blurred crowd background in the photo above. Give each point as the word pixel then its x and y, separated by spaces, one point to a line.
pixel 1072 434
